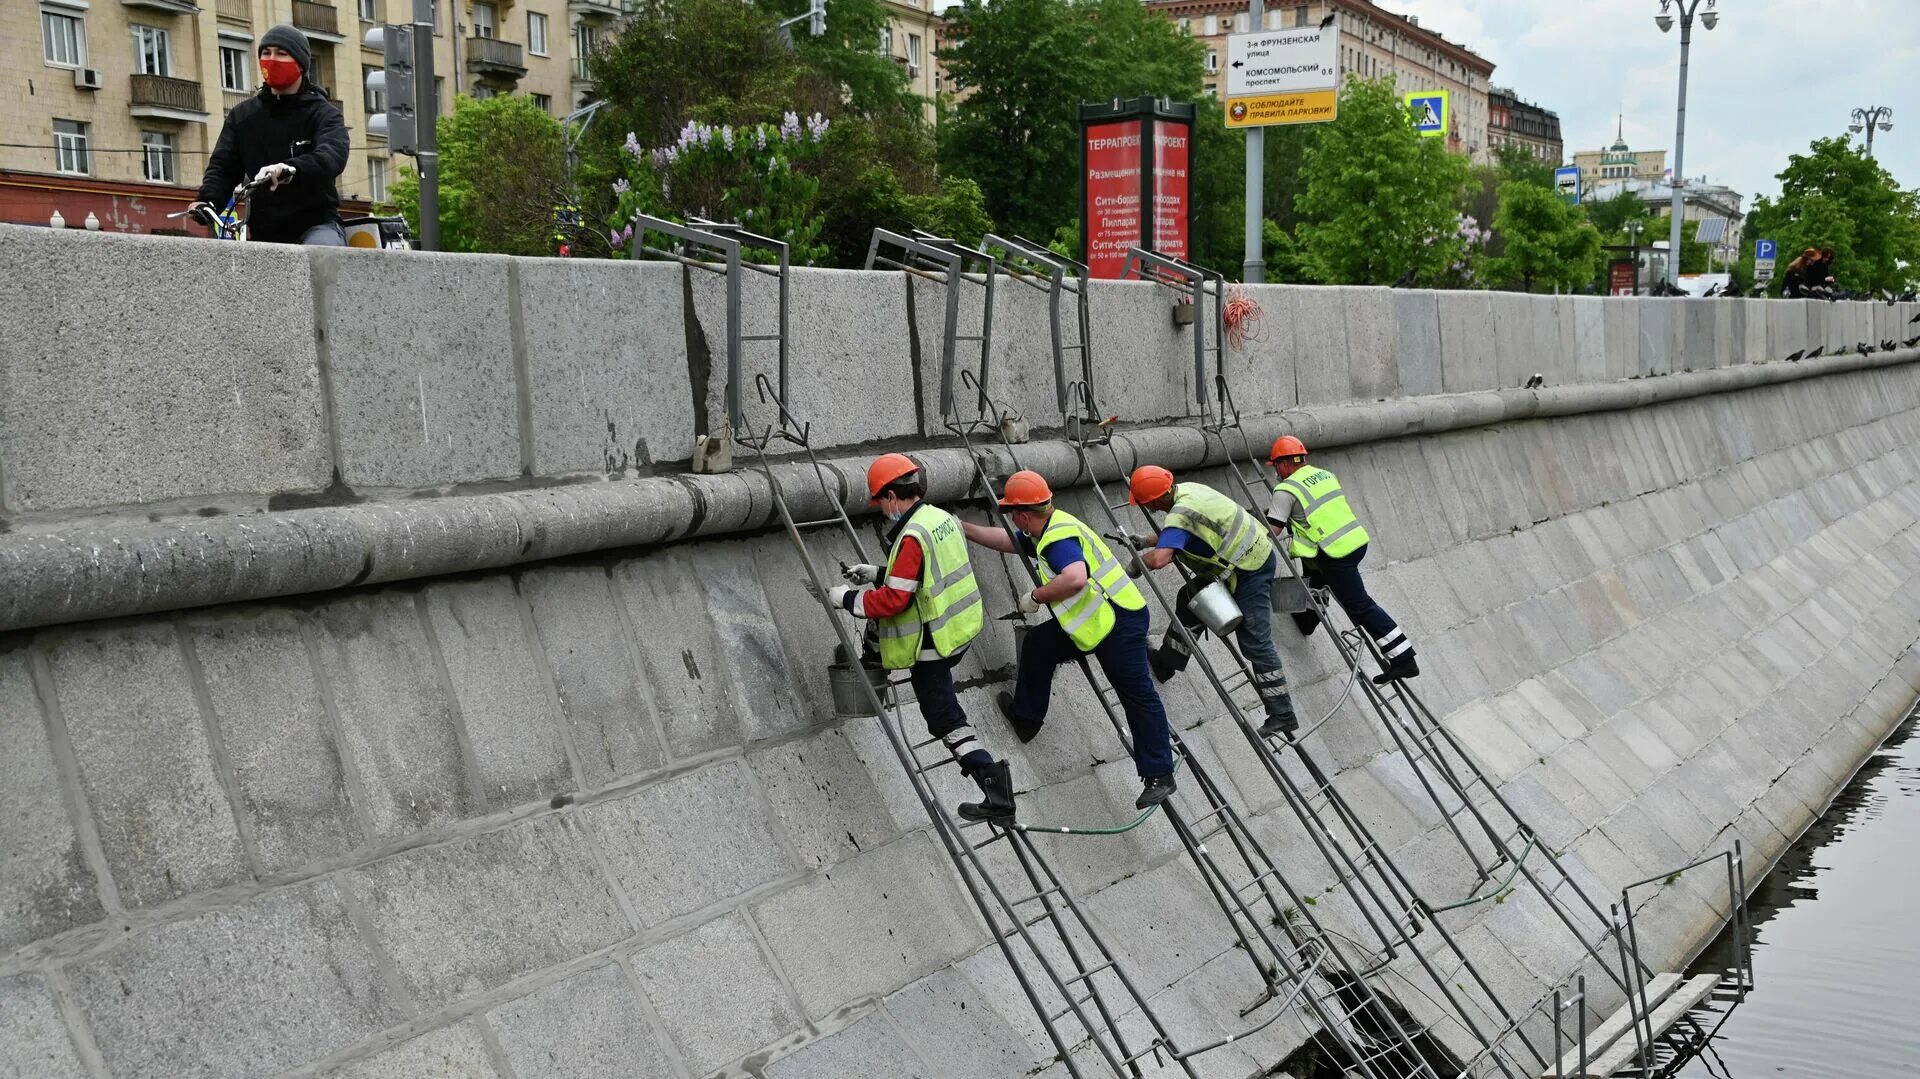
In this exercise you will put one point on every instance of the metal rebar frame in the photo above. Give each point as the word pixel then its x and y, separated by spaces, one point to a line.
pixel 953 265
pixel 1198 284
pixel 716 247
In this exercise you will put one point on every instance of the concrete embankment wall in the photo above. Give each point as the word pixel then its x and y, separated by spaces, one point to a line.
pixel 316 834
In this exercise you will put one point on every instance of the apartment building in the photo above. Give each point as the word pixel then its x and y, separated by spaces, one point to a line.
pixel 119 102
pixel 1620 162
pixel 1374 43
pixel 910 39
pixel 1512 121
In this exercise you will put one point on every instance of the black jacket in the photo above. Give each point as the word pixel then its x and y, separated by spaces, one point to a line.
pixel 304 130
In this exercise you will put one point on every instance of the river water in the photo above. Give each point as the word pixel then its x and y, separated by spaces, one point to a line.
pixel 1836 949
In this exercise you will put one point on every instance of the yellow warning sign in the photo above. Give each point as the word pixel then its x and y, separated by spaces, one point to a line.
pixel 1266 110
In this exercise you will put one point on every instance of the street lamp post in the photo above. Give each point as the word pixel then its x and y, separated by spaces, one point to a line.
pixel 1879 116
pixel 1665 22
pixel 1634 227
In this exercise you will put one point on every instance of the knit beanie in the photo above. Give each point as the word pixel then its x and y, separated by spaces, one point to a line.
pixel 292 40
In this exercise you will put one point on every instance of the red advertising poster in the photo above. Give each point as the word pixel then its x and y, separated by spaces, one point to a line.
pixel 1172 142
pixel 1112 152
pixel 1620 277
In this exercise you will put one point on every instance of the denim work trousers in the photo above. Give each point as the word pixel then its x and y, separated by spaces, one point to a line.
pixel 1123 658
pixel 1342 575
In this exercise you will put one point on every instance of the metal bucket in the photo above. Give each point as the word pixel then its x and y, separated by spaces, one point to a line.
pixel 1290 595
pixel 1216 609
pixel 849 699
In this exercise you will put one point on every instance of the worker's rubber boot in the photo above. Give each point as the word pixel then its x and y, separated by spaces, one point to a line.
pixel 1025 730
pixel 1157 789
pixel 1307 621
pixel 1285 724
pixel 1400 666
pixel 996 787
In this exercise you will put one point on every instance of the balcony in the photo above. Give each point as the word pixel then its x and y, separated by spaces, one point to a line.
pixel 491 58
pixel 582 73
pixel 234 10
pixel 318 20
pixel 602 8
pixel 165 98
pixel 171 7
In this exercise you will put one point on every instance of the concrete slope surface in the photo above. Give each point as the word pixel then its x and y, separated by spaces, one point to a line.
pixel 319 836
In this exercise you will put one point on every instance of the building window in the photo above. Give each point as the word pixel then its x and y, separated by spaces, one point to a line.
pixel 369 10
pixel 1186 26
pixel 64 37
pixel 482 19
pixel 373 100
pixel 536 33
pixel 543 102
pixel 152 50
pixel 1213 60
pixel 886 40
pixel 1300 15
pixel 70 148
pixel 377 179
pixel 160 154
pixel 583 44
pixel 481 92
pixel 913 54
pixel 1213 25
pixel 233 68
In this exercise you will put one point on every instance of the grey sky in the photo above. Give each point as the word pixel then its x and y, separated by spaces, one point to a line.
pixel 1771 77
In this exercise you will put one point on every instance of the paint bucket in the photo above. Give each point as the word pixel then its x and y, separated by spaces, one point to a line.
pixel 850 699
pixel 1216 609
pixel 1290 595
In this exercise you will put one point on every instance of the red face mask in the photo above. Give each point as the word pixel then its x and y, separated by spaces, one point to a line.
pixel 279 74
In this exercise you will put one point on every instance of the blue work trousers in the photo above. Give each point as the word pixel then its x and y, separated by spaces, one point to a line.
pixel 1253 593
pixel 1123 659
pixel 1342 576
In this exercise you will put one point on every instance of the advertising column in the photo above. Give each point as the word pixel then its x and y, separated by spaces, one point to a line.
pixel 1136 157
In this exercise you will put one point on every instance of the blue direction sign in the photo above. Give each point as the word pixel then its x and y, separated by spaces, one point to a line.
pixel 1567 180
pixel 1429 111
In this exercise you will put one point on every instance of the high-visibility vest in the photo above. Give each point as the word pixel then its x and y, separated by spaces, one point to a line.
pixel 945 613
pixel 1087 615
pixel 1239 542
pixel 1330 528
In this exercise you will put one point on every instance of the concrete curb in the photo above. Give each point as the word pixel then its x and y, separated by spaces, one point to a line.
pixel 114 571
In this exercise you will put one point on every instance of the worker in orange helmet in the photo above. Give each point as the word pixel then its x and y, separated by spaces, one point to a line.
pixel 1327 538
pixel 1217 540
pixel 925 609
pixel 1096 610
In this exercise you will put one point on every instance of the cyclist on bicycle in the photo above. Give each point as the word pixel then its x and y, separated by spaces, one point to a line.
pixel 290 137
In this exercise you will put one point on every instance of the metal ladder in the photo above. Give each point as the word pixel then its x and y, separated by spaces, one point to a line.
pixel 952 265
pixel 1332 991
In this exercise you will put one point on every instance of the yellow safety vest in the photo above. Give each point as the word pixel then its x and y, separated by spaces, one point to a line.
pixel 1239 542
pixel 946 608
pixel 1087 615
pixel 1330 527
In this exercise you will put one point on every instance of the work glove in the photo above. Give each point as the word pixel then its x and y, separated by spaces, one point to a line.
pixel 203 212
pixel 1143 540
pixel 1026 604
pixel 274 175
pixel 862 574
pixel 836 595
pixel 1135 567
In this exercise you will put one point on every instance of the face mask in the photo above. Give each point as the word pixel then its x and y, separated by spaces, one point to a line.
pixel 279 74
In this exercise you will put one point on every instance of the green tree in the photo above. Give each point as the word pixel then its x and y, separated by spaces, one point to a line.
pixel 1517 163
pixel 502 175
pixel 1379 204
pixel 1836 196
pixel 1030 64
pixel 1610 216
pixel 1547 243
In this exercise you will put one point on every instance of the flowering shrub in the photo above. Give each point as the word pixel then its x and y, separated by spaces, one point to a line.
pixel 747 175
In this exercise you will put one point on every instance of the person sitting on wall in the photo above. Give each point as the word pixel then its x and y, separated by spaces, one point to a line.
pixel 1096 610
pixel 1219 541
pixel 1330 544
pixel 926 610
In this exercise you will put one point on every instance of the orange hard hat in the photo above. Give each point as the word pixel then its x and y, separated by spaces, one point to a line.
pixel 1025 488
pixel 1148 483
pixel 1287 446
pixel 885 469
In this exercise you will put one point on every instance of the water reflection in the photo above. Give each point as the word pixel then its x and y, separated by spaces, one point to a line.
pixel 1836 941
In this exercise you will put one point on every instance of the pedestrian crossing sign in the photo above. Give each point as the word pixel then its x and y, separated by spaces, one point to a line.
pixel 1428 108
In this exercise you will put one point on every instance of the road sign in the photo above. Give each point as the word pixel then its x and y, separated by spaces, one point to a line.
pixel 1764 252
pixel 1282 77
pixel 1429 111
pixel 1567 180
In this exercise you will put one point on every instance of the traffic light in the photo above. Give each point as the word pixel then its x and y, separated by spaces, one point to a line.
pixel 395 84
